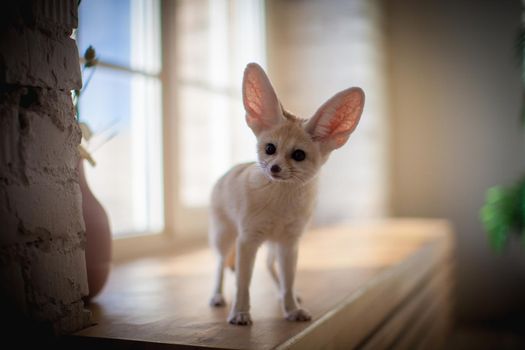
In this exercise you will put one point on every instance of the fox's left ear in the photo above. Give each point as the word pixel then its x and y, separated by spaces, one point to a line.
pixel 337 118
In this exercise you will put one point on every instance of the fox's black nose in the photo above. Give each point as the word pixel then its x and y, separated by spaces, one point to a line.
pixel 275 168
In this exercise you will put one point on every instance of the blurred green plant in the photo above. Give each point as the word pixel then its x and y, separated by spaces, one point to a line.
pixel 503 213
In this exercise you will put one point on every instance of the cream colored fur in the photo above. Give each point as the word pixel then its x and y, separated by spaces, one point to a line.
pixel 253 204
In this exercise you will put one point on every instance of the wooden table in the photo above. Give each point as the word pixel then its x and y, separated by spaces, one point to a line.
pixel 377 285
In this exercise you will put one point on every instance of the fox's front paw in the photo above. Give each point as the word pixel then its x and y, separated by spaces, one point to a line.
pixel 217 300
pixel 240 318
pixel 298 315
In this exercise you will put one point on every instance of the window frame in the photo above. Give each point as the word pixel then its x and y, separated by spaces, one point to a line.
pixel 179 234
pixel 184 227
pixel 135 244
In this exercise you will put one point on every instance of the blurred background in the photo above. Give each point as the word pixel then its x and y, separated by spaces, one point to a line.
pixel 441 122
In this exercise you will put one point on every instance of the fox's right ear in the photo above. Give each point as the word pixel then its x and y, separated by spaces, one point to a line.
pixel 263 109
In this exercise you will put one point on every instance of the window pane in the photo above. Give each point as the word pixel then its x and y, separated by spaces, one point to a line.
pixel 104 103
pixel 123 32
pixel 205 155
pixel 192 28
pixel 124 108
pixel 106 25
pixel 215 40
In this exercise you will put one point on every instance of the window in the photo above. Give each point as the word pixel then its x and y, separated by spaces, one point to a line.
pixel 212 41
pixel 216 39
pixel 122 105
pixel 207 46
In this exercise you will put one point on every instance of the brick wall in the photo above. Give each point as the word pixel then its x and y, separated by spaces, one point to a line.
pixel 42 264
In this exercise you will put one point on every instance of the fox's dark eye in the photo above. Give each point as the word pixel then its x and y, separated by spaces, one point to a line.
pixel 270 148
pixel 298 155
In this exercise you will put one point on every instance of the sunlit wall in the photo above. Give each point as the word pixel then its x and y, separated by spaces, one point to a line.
pixel 316 49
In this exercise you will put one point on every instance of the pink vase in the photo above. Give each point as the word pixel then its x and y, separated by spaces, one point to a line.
pixel 98 237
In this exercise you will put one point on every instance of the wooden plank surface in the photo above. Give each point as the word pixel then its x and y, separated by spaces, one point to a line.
pixel 361 313
pixel 428 328
pixel 349 277
pixel 430 291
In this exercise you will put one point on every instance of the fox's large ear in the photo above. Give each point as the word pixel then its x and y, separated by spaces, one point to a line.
pixel 337 118
pixel 263 109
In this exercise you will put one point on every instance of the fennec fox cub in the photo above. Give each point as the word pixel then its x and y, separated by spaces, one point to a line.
pixel 272 199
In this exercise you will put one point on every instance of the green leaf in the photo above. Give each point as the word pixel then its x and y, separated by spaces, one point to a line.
pixel 495 194
pixel 503 213
pixel 497 215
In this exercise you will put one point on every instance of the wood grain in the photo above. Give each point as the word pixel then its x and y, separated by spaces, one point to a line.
pixel 406 316
pixel 351 278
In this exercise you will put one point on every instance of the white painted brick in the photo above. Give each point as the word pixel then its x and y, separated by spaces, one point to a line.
pixel 9 137
pixel 42 261
pixel 57 273
pixel 41 137
pixel 61 13
pixel 11 275
pixel 34 59
pixel 73 320
pixel 8 222
pixel 51 206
